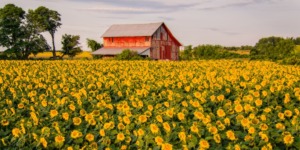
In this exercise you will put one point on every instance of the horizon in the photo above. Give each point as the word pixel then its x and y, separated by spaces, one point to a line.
pixel 230 23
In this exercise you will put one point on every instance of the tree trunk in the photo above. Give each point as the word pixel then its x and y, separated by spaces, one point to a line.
pixel 53 46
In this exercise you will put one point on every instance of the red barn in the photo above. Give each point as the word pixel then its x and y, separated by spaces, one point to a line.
pixel 152 40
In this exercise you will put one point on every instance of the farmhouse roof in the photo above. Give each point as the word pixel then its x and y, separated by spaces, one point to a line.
pixel 118 50
pixel 129 30
pixel 125 30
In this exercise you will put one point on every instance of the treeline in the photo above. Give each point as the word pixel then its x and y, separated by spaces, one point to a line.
pixel 277 49
pixel 209 52
pixel 21 33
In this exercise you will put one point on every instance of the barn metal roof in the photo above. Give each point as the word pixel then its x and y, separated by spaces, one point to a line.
pixel 118 50
pixel 125 30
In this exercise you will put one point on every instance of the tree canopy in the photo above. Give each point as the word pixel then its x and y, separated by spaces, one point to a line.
pixel 70 45
pixel 18 34
pixel 273 48
pixel 93 45
pixel 46 20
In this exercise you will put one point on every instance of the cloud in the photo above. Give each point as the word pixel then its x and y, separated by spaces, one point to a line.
pixel 236 4
pixel 166 18
pixel 221 31
pixel 135 7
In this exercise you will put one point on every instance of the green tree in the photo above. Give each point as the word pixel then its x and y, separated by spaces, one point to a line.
pixel 46 20
pixel 70 45
pixel 273 48
pixel 297 41
pixel 93 45
pixel 18 35
pixel 11 18
pixel 187 53
pixel 128 54
pixel 206 51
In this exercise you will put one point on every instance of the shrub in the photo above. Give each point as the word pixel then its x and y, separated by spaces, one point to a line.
pixel 128 54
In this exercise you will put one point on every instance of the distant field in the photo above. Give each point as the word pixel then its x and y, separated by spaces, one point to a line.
pixel 49 54
pixel 241 52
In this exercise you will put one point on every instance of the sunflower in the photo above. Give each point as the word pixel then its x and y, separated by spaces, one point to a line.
pixel 182 136
pixel 204 144
pixel 43 142
pixel 159 118
pixel 59 139
pixel 75 134
pixel 4 122
pixel 245 122
pixel 154 129
pixel 213 130
pixel 65 116
pixel 258 102
pixel 230 135
pixel 166 126
pixel 16 132
pixel 126 120
pixel 221 113
pixel 76 121
pixel 288 113
pixel 166 146
pixel 140 132
pixel 143 118
pixel 89 137
pixel 238 108
pixel 180 116
pixel 120 136
pixel 102 132
pixel 217 138
pixel 288 139
pixel 53 113
pixel 194 129
pixel 251 130
pixel 159 141
pixel 264 127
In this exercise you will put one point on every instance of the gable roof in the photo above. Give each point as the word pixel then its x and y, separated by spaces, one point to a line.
pixel 119 50
pixel 128 30
pixel 122 30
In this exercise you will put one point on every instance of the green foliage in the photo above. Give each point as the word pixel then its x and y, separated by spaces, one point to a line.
pixel 297 41
pixel 187 53
pixel 70 45
pixel 273 48
pixel 18 34
pixel 207 52
pixel 294 60
pixel 45 19
pixel 128 54
pixel 235 48
pixel 93 45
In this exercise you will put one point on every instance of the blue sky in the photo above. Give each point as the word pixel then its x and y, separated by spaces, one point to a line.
pixel 224 22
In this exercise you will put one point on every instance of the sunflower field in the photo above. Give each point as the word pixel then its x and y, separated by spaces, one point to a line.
pixel 96 104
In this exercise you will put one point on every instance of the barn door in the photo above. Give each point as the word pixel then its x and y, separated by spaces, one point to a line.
pixel 162 52
pixel 168 52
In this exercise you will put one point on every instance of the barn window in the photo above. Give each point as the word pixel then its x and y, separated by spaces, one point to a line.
pixel 147 39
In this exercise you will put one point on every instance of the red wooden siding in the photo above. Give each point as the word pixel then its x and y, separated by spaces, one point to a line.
pixel 127 41
pixel 163 45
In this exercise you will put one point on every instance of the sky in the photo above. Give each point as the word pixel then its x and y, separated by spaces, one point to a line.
pixel 192 22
